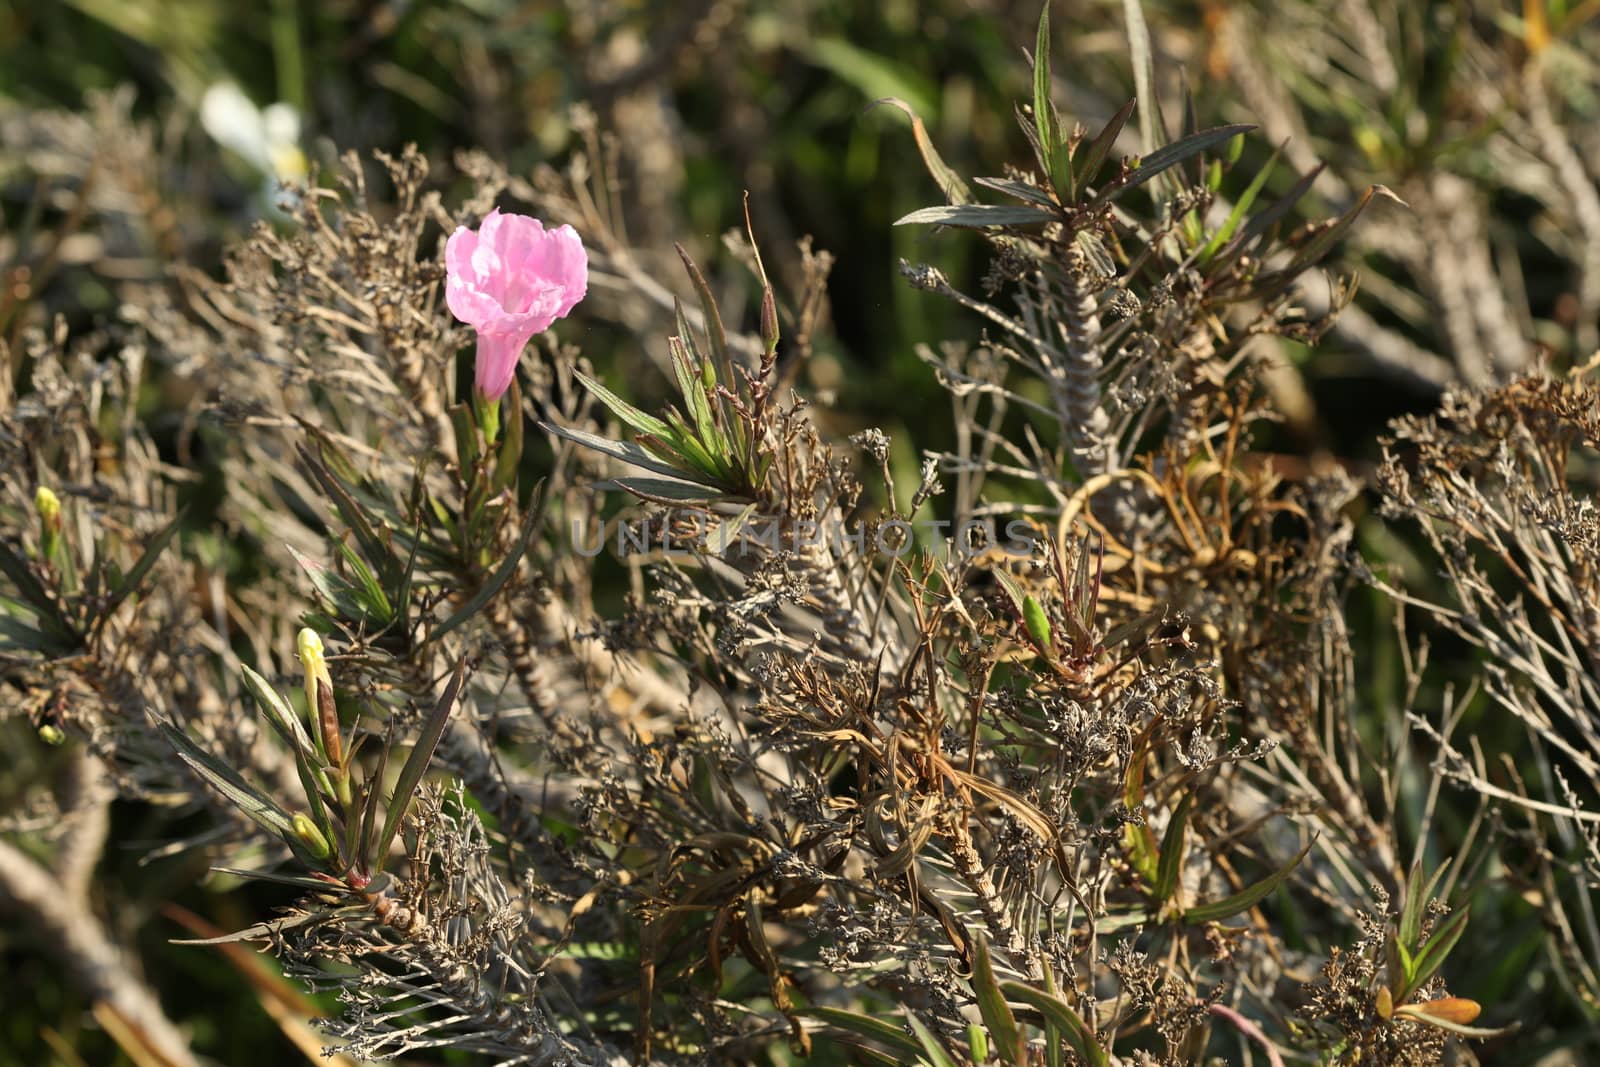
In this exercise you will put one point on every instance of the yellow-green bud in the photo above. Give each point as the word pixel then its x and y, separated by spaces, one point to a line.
pixel 52 735
pixel 310 836
pixel 48 505
pixel 319 694
pixel 312 659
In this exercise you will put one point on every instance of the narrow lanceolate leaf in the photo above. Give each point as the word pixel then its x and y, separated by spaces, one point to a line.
pixel 225 780
pixel 1241 207
pixel 265 931
pixel 630 415
pixel 1319 246
pixel 1416 901
pixel 136 574
pixel 715 333
pixel 865 1026
pixel 633 455
pixel 417 764
pixel 662 490
pixel 949 182
pixel 1043 114
pixel 1021 190
pixel 1063 1018
pixel 354 516
pixel 1100 148
pixel 1171 862
pixel 33 593
pixel 1167 157
pixel 279 713
pixel 501 575
pixel 933 1052
pixel 976 216
pixel 1444 1014
pixel 1433 954
pixel 1246 898
pixel 1009 1041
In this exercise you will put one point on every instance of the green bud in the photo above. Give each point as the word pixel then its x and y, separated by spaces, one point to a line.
pixel 52 735
pixel 310 836
pixel 1038 624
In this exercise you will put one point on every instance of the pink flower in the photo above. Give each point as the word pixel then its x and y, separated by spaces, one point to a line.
pixel 510 279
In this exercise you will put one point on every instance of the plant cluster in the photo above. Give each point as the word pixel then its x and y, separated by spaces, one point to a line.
pixel 1097 780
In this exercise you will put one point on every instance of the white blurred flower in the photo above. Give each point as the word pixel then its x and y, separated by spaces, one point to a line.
pixel 268 139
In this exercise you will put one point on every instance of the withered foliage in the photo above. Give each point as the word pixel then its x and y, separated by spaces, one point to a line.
pixel 1079 777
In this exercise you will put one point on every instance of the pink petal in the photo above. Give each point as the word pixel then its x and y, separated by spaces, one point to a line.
pixel 512 278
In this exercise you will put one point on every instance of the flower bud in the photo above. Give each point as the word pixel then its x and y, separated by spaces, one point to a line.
pixel 769 321
pixel 310 836
pixel 319 694
pixel 52 735
pixel 48 505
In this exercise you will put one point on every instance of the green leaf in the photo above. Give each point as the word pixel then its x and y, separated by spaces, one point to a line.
pixel 631 454
pixel 225 780
pixel 630 415
pixel 278 713
pixel 33 593
pixel 874 75
pixel 1419 1013
pixel 1053 1052
pixel 416 764
pixel 976 216
pixel 334 589
pixel 1245 898
pixel 1240 207
pixel 1009 1040
pixel 501 575
pixel 1060 1015
pixel 1021 190
pixel 1043 112
pixel 353 514
pixel 977 1043
pixel 715 332
pixel 1095 155
pixel 368 593
pixel 932 1051
pixel 1167 157
pixel 1433 954
pixel 1324 241
pixel 1143 71
pixel 1171 861
pixel 1416 902
pixel 866 1026
pixel 1261 223
pixel 695 401
pixel 466 427
pixel 949 182
pixel 509 458
pixel 662 490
